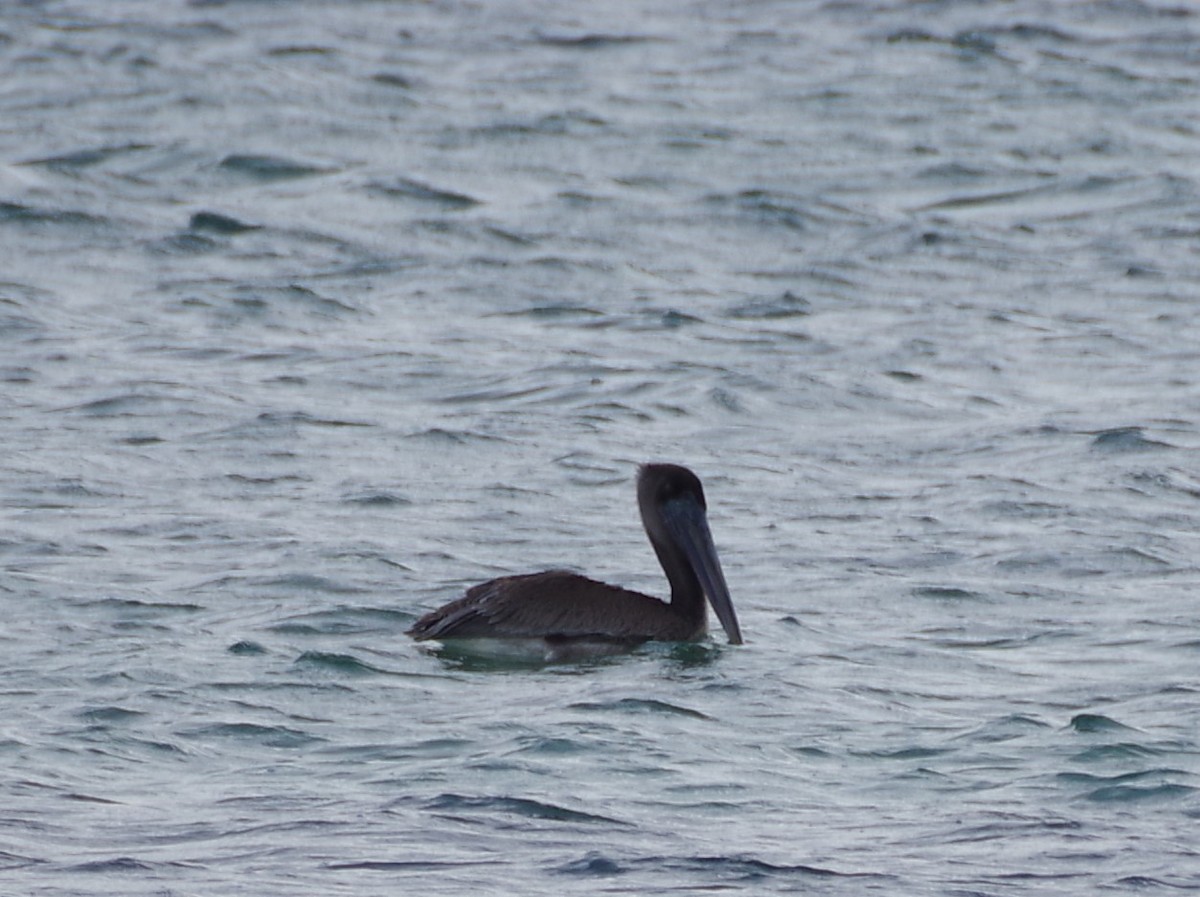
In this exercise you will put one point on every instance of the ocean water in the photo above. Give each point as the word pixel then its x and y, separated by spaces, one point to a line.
pixel 313 314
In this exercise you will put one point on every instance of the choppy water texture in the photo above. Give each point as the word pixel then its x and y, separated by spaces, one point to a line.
pixel 312 314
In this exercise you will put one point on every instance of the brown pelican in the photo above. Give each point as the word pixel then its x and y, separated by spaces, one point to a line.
pixel 567 615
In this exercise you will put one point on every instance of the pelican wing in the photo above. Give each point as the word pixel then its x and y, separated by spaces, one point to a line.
pixel 553 604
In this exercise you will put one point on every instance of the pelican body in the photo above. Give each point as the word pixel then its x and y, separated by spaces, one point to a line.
pixel 571 615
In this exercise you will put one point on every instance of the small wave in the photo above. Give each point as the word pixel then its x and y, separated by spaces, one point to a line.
pixel 552 746
pixel 1096 722
pixel 1129 793
pixel 86 158
pixel 639 705
pixel 338 663
pixel 116 864
pixel 746 868
pixel 738 868
pixel 245 647
pixel 1006 728
pixel 393 79
pixel 216 223
pixel 16 861
pixel 269 423
pixel 946 593
pixel 516 806
pixel 454 437
pixel 1148 784
pixel 593 41
pixel 268 168
pixel 378 499
pixel 253 733
pixel 592 864
pixel 109 714
pixel 428 749
pixel 408 865
pixel 766 207
pixel 1125 439
pixel 1105 753
pixel 1145 882
pixel 344 620
pixel 310 582
pixel 787 305
pixel 909 753
pixel 139 609
pixel 90 799
pixel 19 214
pixel 124 404
pixel 406 188
pixel 555 311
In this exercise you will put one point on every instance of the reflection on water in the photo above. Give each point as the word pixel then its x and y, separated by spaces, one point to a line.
pixel 311 317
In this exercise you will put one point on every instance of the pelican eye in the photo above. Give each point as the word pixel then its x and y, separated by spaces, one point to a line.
pixel 680 491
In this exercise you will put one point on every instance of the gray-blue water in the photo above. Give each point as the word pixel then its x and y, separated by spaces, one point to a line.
pixel 313 314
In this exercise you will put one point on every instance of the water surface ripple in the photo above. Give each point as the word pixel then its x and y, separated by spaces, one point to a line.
pixel 312 314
